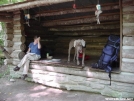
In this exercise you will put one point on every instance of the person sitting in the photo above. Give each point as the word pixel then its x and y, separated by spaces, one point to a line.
pixel 33 53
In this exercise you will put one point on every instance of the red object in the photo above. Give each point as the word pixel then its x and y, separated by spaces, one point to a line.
pixel 86 56
pixel 74 6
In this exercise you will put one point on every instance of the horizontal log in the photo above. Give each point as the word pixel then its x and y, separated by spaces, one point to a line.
pixel 127 67
pixel 5 19
pixel 127 60
pixel 91 8
pixel 31 4
pixel 87 39
pixel 82 28
pixel 17 54
pixel 129 31
pixel 128 53
pixel 128 24
pixel 127 3
pixel 88 19
pixel 89 45
pixel 9 31
pixel 19 46
pixel 128 10
pixel 128 41
pixel 18 22
pixel 22 33
pixel 17 17
pixel 6 14
pixel 35 31
pixel 8 36
pixel 128 18
pixel 88 52
pixel 19 39
pixel 16 12
pixel 18 27
pixel 9 25
pixel 8 43
pixel 99 33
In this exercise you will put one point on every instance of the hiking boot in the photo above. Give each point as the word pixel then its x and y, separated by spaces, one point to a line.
pixel 24 76
pixel 16 68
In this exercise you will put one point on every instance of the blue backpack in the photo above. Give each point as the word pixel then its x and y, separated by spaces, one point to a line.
pixel 109 55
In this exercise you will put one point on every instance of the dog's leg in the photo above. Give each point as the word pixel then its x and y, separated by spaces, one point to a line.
pixel 83 57
pixel 77 57
pixel 75 54
pixel 69 54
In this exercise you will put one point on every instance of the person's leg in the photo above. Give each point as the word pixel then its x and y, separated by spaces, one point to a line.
pixel 26 58
pixel 26 67
pixel 26 64
pixel 25 70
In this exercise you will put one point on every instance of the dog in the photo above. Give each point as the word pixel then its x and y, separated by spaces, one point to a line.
pixel 80 47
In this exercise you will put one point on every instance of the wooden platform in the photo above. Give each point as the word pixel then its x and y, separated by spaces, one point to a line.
pixel 64 63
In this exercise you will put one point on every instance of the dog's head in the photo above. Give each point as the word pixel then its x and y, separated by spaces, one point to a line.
pixel 79 43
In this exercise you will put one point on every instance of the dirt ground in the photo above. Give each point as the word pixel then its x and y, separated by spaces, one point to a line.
pixel 21 90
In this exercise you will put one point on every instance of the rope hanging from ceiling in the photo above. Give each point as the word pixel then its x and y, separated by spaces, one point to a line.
pixel 98 12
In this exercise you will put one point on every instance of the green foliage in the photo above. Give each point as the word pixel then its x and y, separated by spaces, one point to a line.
pixel 2 2
pixel 2 26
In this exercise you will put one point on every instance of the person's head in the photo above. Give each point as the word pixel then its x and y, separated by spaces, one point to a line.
pixel 36 38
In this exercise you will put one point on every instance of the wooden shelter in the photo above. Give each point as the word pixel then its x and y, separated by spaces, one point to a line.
pixel 57 23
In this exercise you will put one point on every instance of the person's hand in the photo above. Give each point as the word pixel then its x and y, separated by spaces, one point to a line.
pixel 38 39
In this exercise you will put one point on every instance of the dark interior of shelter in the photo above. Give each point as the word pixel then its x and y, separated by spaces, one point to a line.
pixel 57 24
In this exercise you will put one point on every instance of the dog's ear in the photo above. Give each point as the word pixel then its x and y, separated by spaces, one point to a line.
pixel 83 43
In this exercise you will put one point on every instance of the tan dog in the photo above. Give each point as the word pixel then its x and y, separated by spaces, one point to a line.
pixel 79 46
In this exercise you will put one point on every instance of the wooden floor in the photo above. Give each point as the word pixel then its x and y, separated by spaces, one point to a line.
pixel 63 63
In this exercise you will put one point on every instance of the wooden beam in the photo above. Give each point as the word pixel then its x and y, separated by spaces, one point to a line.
pixel 87 27
pixel 30 4
pixel 99 33
pixel 5 19
pixel 91 8
pixel 126 3
pixel 82 20
pixel 6 14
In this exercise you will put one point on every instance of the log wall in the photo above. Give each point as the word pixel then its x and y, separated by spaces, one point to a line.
pixel 84 27
pixel 128 38
pixel 15 39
